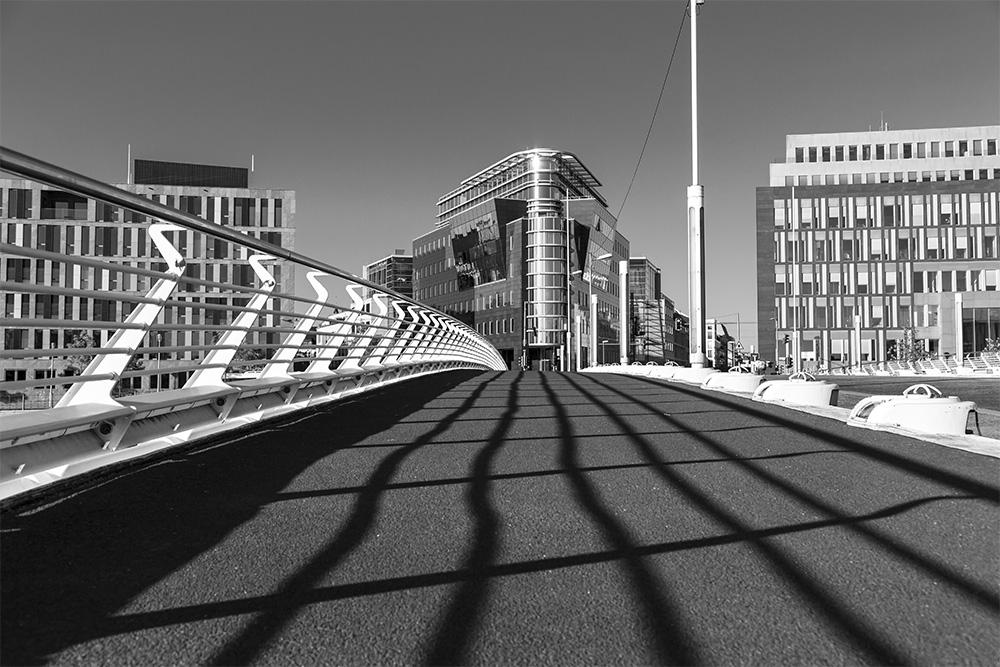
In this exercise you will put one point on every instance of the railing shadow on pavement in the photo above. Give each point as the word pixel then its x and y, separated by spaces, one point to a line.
pixel 668 638
pixel 839 613
pixel 457 627
pixel 296 589
pixel 209 489
pixel 972 489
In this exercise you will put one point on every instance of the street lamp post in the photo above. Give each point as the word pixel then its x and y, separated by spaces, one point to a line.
pixel 603 356
pixel 696 216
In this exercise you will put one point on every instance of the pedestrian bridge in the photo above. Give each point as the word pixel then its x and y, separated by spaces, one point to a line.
pixel 505 517
pixel 374 487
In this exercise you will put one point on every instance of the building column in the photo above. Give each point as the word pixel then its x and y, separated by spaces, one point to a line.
pixel 959 330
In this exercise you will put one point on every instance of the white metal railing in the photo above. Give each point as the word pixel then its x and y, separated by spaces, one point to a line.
pixel 181 357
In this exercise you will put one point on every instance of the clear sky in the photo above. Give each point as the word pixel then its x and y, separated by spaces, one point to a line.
pixel 372 110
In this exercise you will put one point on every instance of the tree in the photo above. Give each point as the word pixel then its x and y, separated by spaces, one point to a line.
pixel 908 348
pixel 77 363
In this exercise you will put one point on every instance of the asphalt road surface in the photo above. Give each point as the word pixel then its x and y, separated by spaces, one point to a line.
pixel 517 519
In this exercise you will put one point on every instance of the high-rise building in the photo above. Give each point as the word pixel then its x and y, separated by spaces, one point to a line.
pixel 38 216
pixel 393 272
pixel 862 235
pixel 517 251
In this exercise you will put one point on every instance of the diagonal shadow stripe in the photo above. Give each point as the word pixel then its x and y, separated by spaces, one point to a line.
pixel 662 619
pixel 455 481
pixel 245 647
pixel 137 622
pixel 457 628
pixel 982 595
pixel 866 639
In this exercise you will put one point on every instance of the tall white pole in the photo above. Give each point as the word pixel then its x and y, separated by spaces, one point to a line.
pixel 593 326
pixel 796 354
pixel 696 216
pixel 623 335
pixel 128 166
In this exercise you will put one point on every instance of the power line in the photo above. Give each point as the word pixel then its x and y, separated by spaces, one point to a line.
pixel 655 109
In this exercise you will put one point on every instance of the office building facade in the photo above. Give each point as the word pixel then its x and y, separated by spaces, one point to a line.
pixel 863 235
pixel 393 272
pixel 37 216
pixel 517 251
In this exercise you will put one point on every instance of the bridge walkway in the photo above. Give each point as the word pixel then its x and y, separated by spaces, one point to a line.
pixel 516 518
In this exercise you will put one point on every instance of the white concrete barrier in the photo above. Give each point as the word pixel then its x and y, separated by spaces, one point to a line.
pixel 742 382
pixel 798 389
pixel 694 375
pixel 921 408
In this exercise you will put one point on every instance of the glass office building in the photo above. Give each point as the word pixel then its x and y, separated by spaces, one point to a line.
pixel 863 235
pixel 517 251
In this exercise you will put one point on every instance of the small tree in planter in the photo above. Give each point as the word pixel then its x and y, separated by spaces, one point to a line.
pixel 909 348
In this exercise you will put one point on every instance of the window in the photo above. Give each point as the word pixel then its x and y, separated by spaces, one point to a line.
pixel 19 203
pixel 933 247
pixel 991 146
pixel 921 150
pixel 800 154
pixel 963 148
pixel 812 153
pixel 949 210
pixel 839 153
pixel 893 151
pixel 935 149
pixel 826 153
pixel 892 212
pixel 879 152
pixel 866 152
pixel 907 151
pixel 977 147
pixel 949 149
pixel 852 153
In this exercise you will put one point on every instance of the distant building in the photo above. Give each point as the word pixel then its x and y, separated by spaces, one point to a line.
pixel 682 339
pixel 651 311
pixel 48 219
pixel 861 235
pixel 500 258
pixel 393 272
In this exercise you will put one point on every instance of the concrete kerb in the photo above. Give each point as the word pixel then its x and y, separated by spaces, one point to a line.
pixel 976 444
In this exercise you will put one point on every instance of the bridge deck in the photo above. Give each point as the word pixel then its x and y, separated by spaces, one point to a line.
pixel 516 518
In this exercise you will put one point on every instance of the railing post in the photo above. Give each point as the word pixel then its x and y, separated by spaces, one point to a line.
pixel 218 360
pixel 400 343
pixel 145 314
pixel 278 366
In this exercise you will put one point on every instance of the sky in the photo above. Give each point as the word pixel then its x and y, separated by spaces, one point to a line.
pixel 372 110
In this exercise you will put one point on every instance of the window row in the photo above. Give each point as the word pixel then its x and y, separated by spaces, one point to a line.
pixel 848 313
pixel 886 211
pixel 896 151
pixel 858 178
pixel 979 244
pixel 835 282
pixel 124 242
